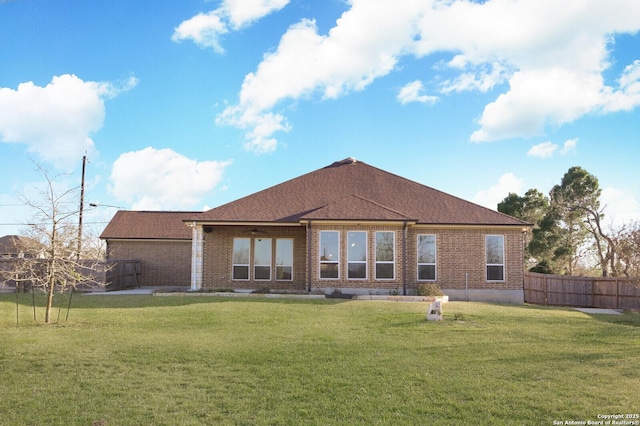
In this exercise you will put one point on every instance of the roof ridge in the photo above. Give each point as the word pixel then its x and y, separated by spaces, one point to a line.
pixel 380 205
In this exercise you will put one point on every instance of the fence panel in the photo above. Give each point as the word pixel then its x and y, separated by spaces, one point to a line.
pixel 123 274
pixel 586 292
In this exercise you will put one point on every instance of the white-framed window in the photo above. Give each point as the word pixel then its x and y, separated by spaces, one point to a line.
pixel 494 254
pixel 357 255
pixel 284 259
pixel 385 255
pixel 241 258
pixel 329 254
pixel 262 259
pixel 426 257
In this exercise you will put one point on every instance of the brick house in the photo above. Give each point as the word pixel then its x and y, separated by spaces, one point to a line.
pixel 159 240
pixel 349 227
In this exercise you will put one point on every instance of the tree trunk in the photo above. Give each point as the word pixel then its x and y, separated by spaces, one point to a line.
pixel 47 314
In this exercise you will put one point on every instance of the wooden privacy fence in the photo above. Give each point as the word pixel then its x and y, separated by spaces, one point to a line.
pixel 123 274
pixel 115 275
pixel 583 292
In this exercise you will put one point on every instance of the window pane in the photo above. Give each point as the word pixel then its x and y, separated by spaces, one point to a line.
pixel 241 272
pixel 357 270
pixel 384 271
pixel 426 249
pixel 284 259
pixel 384 246
pixel 328 270
pixel 357 246
pixel 329 247
pixel 283 273
pixel 241 251
pixel 495 249
pixel 262 273
pixel 262 251
pixel 495 273
pixel 284 252
pixel 426 272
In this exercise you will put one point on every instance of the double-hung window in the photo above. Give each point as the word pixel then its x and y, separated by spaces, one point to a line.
pixel 494 251
pixel 262 259
pixel 385 255
pixel 240 258
pixel 329 254
pixel 284 259
pixel 426 257
pixel 357 255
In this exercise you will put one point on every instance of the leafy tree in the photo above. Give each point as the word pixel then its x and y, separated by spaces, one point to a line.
pixel 566 225
pixel 56 265
pixel 531 208
pixel 571 203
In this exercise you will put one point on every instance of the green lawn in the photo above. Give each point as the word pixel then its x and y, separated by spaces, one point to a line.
pixel 144 360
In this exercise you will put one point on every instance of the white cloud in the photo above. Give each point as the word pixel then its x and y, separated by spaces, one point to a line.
pixel 537 99
pixel 411 92
pixel 552 55
pixel 245 12
pixel 490 198
pixel 483 78
pixel 627 96
pixel 157 179
pixel 348 59
pixel 543 150
pixel 569 146
pixel 206 29
pixel 548 149
pixel 620 206
pixel 56 121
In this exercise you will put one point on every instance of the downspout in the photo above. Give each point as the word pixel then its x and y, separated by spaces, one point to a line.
pixel 309 256
pixel 404 258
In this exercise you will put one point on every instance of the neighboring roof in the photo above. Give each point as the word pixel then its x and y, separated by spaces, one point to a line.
pixel 148 225
pixel 353 190
pixel 14 244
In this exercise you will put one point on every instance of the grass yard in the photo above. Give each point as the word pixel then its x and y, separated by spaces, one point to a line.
pixel 145 360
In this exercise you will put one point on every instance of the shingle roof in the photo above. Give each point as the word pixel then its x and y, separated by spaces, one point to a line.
pixel 148 225
pixel 353 190
pixel 14 244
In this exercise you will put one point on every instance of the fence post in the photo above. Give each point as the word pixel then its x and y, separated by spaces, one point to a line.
pixel 544 289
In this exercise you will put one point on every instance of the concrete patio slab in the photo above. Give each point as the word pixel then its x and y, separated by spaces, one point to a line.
pixel 599 311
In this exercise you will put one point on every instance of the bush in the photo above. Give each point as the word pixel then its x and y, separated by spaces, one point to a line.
pixel 429 289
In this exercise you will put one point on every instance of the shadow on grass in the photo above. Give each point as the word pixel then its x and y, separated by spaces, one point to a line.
pixel 81 301
pixel 631 318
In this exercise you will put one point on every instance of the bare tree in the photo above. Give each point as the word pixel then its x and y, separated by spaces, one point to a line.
pixel 627 240
pixel 54 263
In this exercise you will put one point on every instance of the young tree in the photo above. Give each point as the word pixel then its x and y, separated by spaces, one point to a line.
pixel 56 265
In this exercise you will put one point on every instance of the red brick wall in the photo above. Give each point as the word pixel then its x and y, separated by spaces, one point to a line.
pixel 218 247
pixel 460 252
pixel 162 262
pixel 370 282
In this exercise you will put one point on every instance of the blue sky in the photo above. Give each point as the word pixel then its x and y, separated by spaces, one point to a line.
pixel 190 104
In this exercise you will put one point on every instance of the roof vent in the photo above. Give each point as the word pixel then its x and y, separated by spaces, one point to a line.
pixel 348 160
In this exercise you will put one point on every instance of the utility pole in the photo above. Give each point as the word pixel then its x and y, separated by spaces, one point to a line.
pixel 84 163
